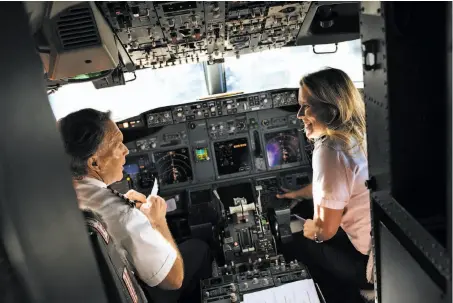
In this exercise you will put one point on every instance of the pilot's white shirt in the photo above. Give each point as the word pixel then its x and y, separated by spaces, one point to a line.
pixel 339 176
pixel 148 251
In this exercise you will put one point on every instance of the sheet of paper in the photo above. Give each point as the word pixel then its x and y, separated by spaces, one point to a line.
pixel 171 205
pixel 303 291
pixel 155 189
pixel 263 296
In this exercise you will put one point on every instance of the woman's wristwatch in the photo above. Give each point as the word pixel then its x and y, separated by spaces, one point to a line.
pixel 317 240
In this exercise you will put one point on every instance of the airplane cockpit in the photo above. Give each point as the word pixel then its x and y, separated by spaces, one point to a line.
pixel 207 98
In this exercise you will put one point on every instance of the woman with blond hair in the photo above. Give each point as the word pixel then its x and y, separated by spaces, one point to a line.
pixel 336 242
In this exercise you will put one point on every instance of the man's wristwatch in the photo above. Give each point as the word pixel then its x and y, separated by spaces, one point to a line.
pixel 317 240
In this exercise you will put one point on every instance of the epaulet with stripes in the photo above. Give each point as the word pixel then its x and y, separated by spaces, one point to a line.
pixel 126 200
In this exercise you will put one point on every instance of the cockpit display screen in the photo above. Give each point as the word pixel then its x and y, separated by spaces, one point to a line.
pixel 201 154
pixel 282 148
pixel 232 156
pixel 131 169
pixel 173 166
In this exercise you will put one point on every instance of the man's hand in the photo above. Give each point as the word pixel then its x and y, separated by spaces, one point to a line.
pixel 137 197
pixel 155 210
pixel 310 229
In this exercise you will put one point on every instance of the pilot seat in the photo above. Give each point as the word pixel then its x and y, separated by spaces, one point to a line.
pixel 120 284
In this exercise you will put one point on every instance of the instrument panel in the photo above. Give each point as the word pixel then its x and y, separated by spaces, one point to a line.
pixel 157 34
pixel 215 108
pixel 218 140
pixel 173 166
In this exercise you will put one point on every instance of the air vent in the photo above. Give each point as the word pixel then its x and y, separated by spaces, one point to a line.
pixel 76 28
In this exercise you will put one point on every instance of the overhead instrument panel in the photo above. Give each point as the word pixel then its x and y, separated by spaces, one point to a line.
pixel 232 156
pixel 282 148
pixel 173 166
pixel 157 34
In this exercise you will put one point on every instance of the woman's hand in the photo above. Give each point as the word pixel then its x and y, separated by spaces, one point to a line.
pixel 292 195
pixel 288 194
pixel 310 229
pixel 303 193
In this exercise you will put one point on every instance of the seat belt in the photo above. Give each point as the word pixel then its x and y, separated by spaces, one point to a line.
pixel 119 280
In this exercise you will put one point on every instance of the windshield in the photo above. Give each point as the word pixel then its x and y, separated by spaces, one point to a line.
pixel 283 68
pixel 180 84
pixel 152 89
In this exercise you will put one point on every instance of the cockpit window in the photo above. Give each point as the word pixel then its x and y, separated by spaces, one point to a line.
pixel 283 68
pixel 154 88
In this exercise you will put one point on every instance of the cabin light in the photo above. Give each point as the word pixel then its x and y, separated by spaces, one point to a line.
pixel 125 124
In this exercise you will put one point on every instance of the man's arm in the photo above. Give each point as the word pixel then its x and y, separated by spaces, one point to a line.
pixel 175 277
pixel 155 211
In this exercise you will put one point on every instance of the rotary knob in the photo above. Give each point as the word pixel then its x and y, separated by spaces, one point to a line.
pixel 153 145
pixel 229 106
pixel 246 285
pixel 221 127
pixel 179 114
pixel 265 101
pixel 233 288
pixel 206 294
pixel 212 109
pixel 265 123
pixel 233 297
pixel 199 113
pixel 151 118
pixel 255 281
pixel 265 281
pixel 213 127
